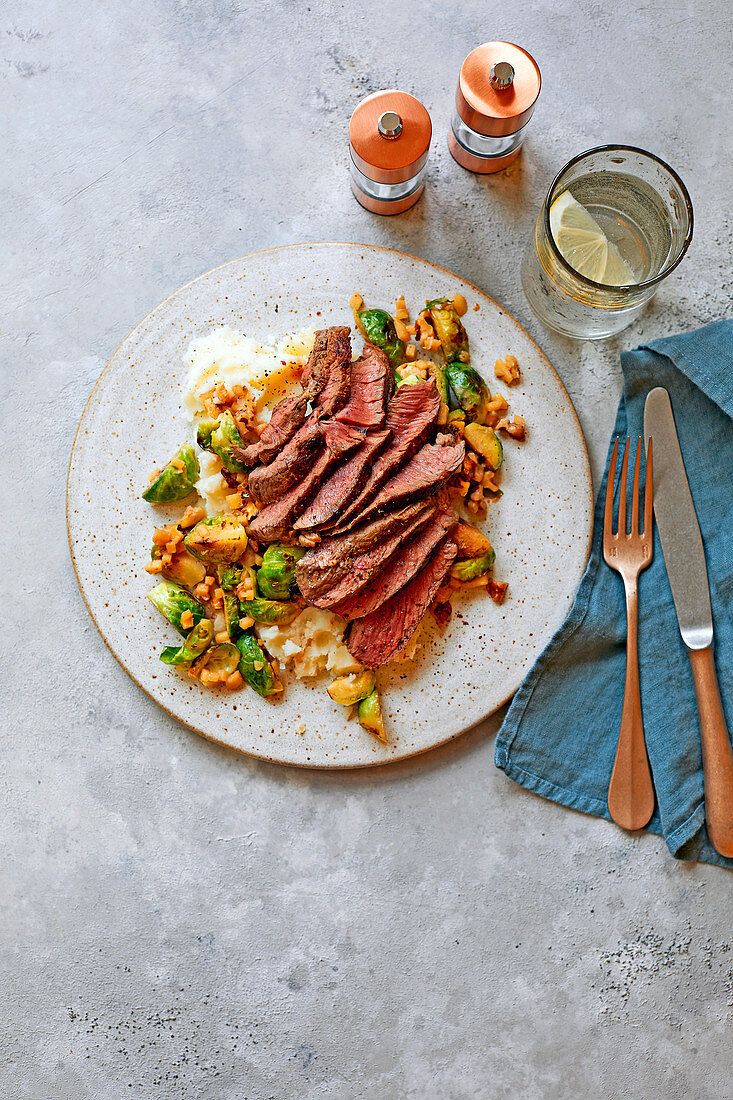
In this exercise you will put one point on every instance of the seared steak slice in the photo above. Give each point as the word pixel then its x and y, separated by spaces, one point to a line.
pixel 315 372
pixel 371 384
pixel 276 520
pixel 377 638
pixel 432 465
pixel 286 418
pixel 410 415
pixel 327 562
pixel 399 570
pixel 341 438
pixel 343 484
pixel 267 483
pixel 336 363
pixel 365 567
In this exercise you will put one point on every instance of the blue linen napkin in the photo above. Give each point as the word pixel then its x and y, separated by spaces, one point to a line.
pixel 560 733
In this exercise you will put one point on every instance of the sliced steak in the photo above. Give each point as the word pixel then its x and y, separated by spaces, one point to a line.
pixel 267 483
pixel 432 466
pixel 400 569
pixel 276 520
pixel 366 567
pixel 315 372
pixel 377 638
pixel 327 562
pixel 411 414
pixel 341 438
pixel 343 484
pixel 336 364
pixel 371 384
pixel 286 418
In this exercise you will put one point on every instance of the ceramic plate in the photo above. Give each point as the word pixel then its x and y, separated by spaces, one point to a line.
pixel 541 527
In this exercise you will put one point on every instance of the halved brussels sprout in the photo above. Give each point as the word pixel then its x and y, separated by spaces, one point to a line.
pixel 230 576
pixel 472 568
pixel 370 715
pixel 276 575
pixel 173 602
pixel 197 641
pixel 351 689
pixel 255 667
pixel 219 437
pixel 470 541
pixel 223 658
pixel 174 483
pixel 472 393
pixel 204 433
pixel 232 615
pixel 219 539
pixel 377 326
pixel 270 611
pixel 437 373
pixel 484 440
pixel 449 329
pixel 183 568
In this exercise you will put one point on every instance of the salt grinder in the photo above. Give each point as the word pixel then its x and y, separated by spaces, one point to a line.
pixel 498 86
pixel 389 136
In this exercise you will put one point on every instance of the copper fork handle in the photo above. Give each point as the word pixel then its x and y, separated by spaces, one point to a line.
pixel 631 791
pixel 717 754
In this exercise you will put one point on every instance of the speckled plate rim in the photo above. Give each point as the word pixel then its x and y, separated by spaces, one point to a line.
pixel 587 489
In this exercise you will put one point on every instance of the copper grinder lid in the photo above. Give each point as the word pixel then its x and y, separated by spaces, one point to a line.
pixel 498 86
pixel 390 135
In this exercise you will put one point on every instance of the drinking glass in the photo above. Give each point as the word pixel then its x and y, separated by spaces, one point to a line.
pixel 644 210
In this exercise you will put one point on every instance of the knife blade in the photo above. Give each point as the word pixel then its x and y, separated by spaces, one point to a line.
pixel 679 531
pixel 684 557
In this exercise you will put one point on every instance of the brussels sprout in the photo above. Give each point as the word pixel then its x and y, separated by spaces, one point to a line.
pixel 351 689
pixel 378 328
pixel 223 658
pixel 204 433
pixel 484 440
pixel 370 715
pixel 270 611
pixel 470 541
pixel 219 539
pixel 197 641
pixel 232 614
pixel 182 568
pixel 437 373
pixel 471 568
pixel 472 393
pixel 255 667
pixel 219 437
pixel 449 329
pixel 276 575
pixel 173 601
pixel 173 483
pixel 230 576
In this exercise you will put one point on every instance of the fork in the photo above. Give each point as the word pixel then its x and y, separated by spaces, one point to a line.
pixel 630 792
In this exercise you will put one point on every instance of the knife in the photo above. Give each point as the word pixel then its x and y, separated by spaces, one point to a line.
pixel 684 557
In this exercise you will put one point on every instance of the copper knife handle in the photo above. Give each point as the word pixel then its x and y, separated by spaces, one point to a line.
pixel 717 754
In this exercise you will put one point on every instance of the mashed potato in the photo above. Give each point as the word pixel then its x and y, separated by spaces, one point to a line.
pixel 228 356
pixel 311 643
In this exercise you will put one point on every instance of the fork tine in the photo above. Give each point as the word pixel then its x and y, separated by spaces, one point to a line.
pixel 648 492
pixel 635 497
pixel 621 525
pixel 608 514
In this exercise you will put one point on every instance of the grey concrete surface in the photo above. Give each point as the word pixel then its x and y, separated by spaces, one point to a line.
pixel 178 921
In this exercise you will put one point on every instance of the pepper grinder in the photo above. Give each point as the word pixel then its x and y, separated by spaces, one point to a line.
pixel 389 138
pixel 498 86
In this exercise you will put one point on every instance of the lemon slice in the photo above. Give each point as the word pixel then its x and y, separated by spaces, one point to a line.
pixel 585 246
